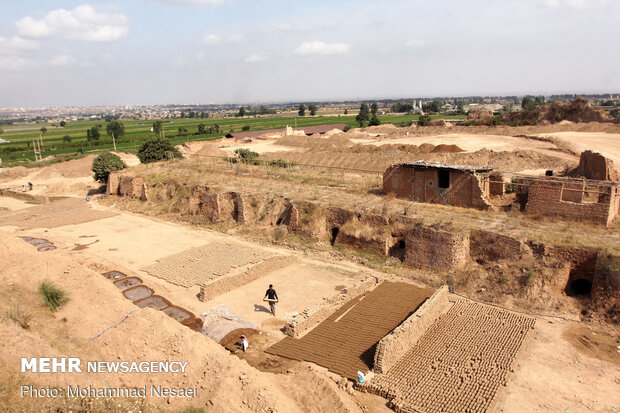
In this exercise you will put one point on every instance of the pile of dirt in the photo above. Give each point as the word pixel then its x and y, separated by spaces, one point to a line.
pixel 447 148
pixel 338 140
pixel 479 115
pixel 210 149
pixel 232 340
pixel 404 148
pixel 13 173
pixel 441 123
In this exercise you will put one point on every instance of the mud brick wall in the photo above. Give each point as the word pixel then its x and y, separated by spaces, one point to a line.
pixel 130 187
pixel 420 185
pixel 495 188
pixel 487 246
pixel 545 198
pixel 396 344
pixel 113 183
pixel 436 249
pixel 593 165
pixel 381 246
pixel 223 285
pixel 311 317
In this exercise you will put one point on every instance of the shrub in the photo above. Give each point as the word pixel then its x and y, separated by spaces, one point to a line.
pixel 247 156
pixel 66 138
pixel 106 163
pixel 347 128
pixel 424 120
pixel 510 188
pixel 245 127
pixel 281 163
pixel 156 149
pixel 374 121
pixel 53 296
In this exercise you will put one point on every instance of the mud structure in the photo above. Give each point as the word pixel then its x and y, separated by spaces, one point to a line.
pixel 435 183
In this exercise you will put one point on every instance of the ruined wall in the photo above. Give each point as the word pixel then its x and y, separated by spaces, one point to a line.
pixel 545 198
pixel 131 187
pixel 436 249
pixel 378 244
pixel 496 187
pixel 113 182
pixel 487 246
pixel 225 284
pixel 593 165
pixel 311 317
pixel 396 344
pixel 421 185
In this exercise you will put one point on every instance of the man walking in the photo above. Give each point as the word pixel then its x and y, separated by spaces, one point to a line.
pixel 272 297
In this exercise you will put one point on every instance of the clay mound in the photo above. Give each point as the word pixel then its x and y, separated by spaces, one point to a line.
pixel 14 172
pixel 338 140
pixel 75 168
pixel 447 148
pixel 210 149
pixel 566 122
pixel 381 129
pixel 47 173
pixel 441 123
pixel 479 115
pixel 426 148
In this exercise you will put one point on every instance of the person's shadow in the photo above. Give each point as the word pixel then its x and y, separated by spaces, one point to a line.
pixel 258 307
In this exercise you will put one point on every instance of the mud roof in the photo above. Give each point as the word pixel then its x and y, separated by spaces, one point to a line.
pixel 439 165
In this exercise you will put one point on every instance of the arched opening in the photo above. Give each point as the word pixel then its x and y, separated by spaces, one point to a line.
pixel 398 250
pixel 579 288
pixel 335 231
pixel 279 221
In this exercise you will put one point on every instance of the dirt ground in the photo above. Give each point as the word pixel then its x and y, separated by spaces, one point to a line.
pixel 607 144
pixel 563 366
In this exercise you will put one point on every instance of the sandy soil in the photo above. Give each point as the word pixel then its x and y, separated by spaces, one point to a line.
pixel 607 144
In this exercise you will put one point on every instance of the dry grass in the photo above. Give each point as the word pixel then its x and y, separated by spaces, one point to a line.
pixel 19 316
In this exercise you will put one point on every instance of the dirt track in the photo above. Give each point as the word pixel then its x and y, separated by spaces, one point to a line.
pixel 345 342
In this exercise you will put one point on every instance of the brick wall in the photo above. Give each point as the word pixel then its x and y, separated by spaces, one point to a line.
pixel 545 198
pixel 436 249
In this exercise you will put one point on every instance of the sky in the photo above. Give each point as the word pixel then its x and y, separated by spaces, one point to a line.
pixel 127 52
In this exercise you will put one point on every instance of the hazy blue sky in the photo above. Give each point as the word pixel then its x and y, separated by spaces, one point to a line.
pixel 198 51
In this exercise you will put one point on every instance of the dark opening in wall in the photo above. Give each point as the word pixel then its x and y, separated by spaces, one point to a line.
pixel 335 231
pixel 579 288
pixel 398 250
pixel 443 177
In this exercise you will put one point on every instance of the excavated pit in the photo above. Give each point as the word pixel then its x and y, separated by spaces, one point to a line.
pixel 127 282
pixel 138 292
pixel 41 244
pixel 156 302
pixel 114 275
pixel 177 313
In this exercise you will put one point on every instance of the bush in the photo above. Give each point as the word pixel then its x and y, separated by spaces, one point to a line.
pixel 156 149
pixel 247 156
pixel 245 127
pixel 281 163
pixel 424 120
pixel 106 163
pixel 347 128
pixel 510 188
pixel 53 296
pixel 66 138
pixel 19 316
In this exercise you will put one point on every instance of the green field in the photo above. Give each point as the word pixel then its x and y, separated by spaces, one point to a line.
pixel 19 150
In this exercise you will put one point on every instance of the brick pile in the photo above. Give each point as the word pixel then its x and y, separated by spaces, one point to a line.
pixel 458 365
pixel 346 341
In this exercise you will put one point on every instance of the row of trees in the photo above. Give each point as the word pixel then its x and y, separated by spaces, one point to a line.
pixel 368 115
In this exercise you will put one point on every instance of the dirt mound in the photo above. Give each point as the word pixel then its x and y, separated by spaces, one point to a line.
pixel 75 168
pixel 13 173
pixel 441 123
pixel 232 341
pixel 479 115
pixel 338 140
pixel 210 149
pixel 447 148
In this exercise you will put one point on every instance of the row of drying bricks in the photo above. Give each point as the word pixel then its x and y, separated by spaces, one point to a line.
pixel 141 295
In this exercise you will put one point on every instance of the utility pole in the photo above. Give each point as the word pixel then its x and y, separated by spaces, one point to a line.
pixel 34 150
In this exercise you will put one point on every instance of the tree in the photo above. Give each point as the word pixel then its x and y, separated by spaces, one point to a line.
pixel 312 108
pixel 63 123
pixel 94 133
pixel 528 103
pixel 182 131
pixel 202 129
pixel 115 128
pixel 247 156
pixel 374 121
pixel 363 116
pixel 217 128
pixel 241 112
pixel 346 111
pixel 66 138
pixel 157 149
pixel 43 130
pixel 302 110
pixel 245 128
pixel 1 131
pixel 157 127
pixel 374 108
pixel 106 163
pixel 424 120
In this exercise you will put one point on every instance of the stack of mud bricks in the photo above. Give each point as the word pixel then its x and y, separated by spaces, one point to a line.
pixel 432 248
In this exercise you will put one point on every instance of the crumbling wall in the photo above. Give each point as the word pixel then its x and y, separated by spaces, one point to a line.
pixel 113 183
pixel 593 165
pixel 375 243
pixel 311 317
pixel 465 189
pixel 496 184
pixel 225 284
pixel 396 344
pixel 131 187
pixel 436 249
pixel 545 198
pixel 487 246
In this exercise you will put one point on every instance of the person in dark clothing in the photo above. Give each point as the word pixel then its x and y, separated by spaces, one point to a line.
pixel 272 297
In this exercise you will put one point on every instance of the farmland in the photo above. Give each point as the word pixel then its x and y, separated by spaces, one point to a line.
pixel 19 148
